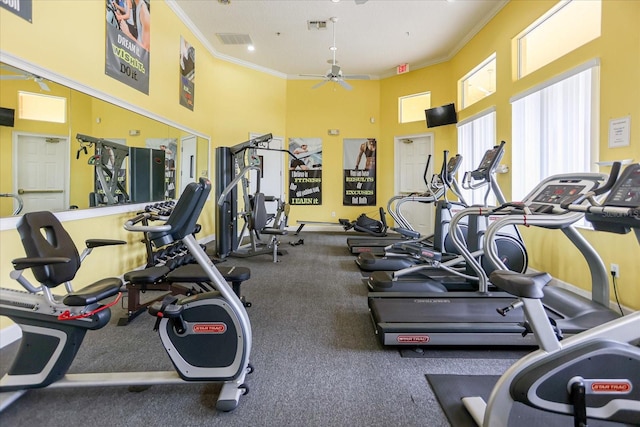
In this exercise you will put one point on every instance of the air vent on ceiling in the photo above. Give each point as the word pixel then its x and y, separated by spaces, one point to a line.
pixel 231 38
pixel 317 25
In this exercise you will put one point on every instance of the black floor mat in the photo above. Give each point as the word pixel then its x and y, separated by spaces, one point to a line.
pixel 450 389
pixel 464 353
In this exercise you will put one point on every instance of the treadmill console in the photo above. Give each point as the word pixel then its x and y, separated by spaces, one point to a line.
pixel 626 191
pixel 551 193
pixel 623 202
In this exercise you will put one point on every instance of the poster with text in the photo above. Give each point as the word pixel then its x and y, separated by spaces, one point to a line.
pixel 359 166
pixel 22 8
pixel 305 171
pixel 187 73
pixel 128 42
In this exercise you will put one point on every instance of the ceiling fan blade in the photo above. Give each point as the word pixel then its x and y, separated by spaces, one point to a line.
pixel 357 77
pixel 317 85
pixel 344 84
pixel 42 84
pixel 12 77
pixel 318 76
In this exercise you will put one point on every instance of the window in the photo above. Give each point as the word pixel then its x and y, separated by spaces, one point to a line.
pixel 45 108
pixel 411 107
pixel 478 83
pixel 554 129
pixel 564 28
pixel 476 135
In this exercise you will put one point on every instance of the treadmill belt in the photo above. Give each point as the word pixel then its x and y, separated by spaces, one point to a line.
pixel 436 310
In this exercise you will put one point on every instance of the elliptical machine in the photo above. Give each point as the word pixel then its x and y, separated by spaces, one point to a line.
pixel 207 336
pixel 593 374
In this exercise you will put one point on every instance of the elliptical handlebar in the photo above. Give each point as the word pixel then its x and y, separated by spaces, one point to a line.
pixel 575 203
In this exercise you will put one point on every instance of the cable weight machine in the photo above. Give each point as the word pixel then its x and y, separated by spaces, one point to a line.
pixel 233 174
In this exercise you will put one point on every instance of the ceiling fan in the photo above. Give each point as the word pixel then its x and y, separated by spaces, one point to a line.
pixel 22 75
pixel 335 73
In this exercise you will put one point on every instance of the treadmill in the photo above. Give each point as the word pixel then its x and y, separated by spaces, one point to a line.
pixel 396 256
pixel 450 269
pixel 470 318
pixel 377 245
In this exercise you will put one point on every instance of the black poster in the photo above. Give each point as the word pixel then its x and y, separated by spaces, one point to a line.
pixel 128 42
pixel 22 8
pixel 305 171
pixel 187 73
pixel 359 172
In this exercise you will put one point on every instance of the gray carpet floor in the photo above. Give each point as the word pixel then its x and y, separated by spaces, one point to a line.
pixel 317 361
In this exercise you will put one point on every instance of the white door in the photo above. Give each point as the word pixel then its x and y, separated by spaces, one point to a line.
pixel 40 175
pixel 272 176
pixel 188 150
pixel 411 155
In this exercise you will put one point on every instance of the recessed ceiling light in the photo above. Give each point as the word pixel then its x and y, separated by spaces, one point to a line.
pixel 251 48
pixel 335 1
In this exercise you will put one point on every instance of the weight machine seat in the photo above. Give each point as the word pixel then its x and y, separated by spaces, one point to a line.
pixel 260 217
pixel 147 275
pixel 274 231
pixel 521 285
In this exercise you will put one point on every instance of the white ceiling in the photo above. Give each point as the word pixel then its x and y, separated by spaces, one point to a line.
pixel 372 38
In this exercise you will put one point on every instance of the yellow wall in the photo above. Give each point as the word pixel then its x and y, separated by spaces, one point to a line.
pixel 232 101
pixel 435 79
pixel 311 113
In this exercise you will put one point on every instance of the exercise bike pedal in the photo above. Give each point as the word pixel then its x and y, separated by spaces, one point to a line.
pixel 244 389
pixel 158 309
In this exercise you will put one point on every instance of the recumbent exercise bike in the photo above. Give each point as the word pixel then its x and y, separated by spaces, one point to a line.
pixel 207 336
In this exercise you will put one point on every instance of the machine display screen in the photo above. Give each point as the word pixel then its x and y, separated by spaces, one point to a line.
pixel 556 194
pixel 627 192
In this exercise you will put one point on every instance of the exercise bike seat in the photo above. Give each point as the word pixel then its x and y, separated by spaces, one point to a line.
pixel 44 239
pixel 521 285
pixel 94 293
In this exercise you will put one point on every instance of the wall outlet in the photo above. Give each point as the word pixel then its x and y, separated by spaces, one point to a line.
pixel 333 214
pixel 615 269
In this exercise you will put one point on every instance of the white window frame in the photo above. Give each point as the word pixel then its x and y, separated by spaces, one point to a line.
pixel 485 71
pixel 415 117
pixel 559 31
pixel 41 107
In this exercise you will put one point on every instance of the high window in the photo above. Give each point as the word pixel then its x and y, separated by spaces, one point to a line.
pixel 411 107
pixel 45 108
pixel 478 83
pixel 567 26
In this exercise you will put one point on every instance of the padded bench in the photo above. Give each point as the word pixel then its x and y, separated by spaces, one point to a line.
pixel 186 279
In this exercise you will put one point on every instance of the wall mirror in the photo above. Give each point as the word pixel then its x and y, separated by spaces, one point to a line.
pixel 48 168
